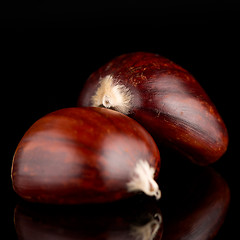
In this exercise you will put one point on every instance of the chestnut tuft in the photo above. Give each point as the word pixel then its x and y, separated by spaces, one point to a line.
pixel 165 99
pixel 85 155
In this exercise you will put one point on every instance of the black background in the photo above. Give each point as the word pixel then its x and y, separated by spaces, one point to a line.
pixel 49 49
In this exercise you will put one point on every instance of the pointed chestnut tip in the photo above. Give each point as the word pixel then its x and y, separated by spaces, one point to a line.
pixel 158 194
pixel 143 180
pixel 111 94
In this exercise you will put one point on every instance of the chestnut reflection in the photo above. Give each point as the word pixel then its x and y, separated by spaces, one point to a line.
pixel 195 204
pixel 134 219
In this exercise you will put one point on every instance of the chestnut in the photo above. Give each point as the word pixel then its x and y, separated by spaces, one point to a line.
pixel 85 155
pixel 165 99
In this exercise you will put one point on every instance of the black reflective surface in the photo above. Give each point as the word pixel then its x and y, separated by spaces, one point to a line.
pixel 47 52
pixel 194 207
pixel 136 220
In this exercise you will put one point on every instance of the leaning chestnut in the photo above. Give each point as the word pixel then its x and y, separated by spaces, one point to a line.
pixel 85 155
pixel 165 99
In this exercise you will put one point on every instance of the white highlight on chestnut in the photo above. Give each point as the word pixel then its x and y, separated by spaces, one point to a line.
pixel 149 230
pixel 143 180
pixel 112 95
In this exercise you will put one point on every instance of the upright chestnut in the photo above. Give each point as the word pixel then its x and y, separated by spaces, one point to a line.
pixel 85 155
pixel 165 99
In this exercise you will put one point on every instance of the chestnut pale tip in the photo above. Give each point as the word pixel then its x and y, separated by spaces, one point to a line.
pixel 143 180
pixel 111 94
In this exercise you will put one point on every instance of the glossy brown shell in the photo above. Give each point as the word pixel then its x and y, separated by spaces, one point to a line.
pixel 169 102
pixel 78 155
